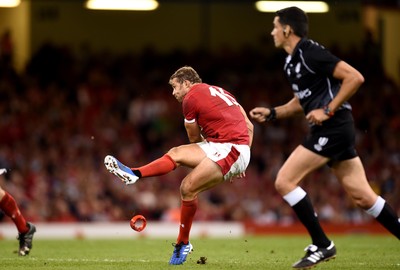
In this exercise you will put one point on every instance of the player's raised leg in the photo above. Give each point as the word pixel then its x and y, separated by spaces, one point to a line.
pixel 123 172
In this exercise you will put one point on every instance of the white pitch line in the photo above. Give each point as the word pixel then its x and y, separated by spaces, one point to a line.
pixel 76 260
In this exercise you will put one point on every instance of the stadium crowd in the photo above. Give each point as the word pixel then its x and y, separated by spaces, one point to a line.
pixel 67 110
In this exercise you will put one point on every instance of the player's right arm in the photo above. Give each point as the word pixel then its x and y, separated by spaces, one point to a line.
pixel 289 109
pixel 193 131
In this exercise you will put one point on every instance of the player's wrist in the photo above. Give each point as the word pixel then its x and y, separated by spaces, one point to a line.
pixel 272 114
pixel 328 111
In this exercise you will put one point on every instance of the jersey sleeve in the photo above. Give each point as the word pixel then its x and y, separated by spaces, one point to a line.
pixel 322 61
pixel 189 109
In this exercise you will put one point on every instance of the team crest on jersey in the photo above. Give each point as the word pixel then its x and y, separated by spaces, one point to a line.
pixel 288 72
pixel 297 70
pixel 322 141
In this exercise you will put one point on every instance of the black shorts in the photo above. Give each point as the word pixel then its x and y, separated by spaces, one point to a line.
pixel 334 139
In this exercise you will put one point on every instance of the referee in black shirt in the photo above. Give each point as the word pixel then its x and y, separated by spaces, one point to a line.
pixel 322 84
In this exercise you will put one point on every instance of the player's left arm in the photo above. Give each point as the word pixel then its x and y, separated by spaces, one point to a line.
pixel 193 131
pixel 351 82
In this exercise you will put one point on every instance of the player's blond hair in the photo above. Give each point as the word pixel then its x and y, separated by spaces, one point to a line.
pixel 186 73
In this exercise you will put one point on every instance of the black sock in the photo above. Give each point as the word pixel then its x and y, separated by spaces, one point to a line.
pixel 137 173
pixel 305 212
pixel 388 218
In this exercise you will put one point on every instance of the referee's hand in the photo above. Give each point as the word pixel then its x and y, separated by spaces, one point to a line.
pixel 316 117
pixel 259 114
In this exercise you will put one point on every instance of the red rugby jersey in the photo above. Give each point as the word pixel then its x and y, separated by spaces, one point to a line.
pixel 217 112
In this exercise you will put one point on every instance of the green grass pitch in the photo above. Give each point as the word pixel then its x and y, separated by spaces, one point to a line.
pixel 252 252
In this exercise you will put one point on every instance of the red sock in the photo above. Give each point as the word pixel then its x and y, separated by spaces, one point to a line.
pixel 10 208
pixel 188 210
pixel 160 166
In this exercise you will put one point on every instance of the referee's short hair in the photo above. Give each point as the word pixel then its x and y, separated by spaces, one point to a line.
pixel 296 18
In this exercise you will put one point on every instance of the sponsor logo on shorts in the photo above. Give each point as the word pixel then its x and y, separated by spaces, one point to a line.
pixel 322 141
pixel 217 154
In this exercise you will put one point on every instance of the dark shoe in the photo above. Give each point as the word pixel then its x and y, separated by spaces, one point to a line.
pixel 315 255
pixel 25 240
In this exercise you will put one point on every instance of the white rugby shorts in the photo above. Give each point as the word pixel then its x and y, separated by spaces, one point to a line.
pixel 232 158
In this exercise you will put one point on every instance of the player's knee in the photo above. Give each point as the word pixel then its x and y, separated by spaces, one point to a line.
pixel 363 202
pixel 186 190
pixel 280 185
pixel 173 152
pixel 285 182
pixel 360 203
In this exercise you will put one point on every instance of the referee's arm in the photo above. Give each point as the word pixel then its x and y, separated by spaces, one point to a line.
pixel 351 81
pixel 289 109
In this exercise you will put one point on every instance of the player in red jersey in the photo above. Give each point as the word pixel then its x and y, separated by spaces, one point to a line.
pixel 25 229
pixel 220 136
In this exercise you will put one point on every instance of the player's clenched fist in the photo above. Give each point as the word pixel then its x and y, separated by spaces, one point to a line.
pixel 259 114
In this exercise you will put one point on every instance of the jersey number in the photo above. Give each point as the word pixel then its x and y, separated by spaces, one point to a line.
pixel 219 92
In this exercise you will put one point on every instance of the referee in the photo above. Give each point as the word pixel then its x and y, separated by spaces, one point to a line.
pixel 322 84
